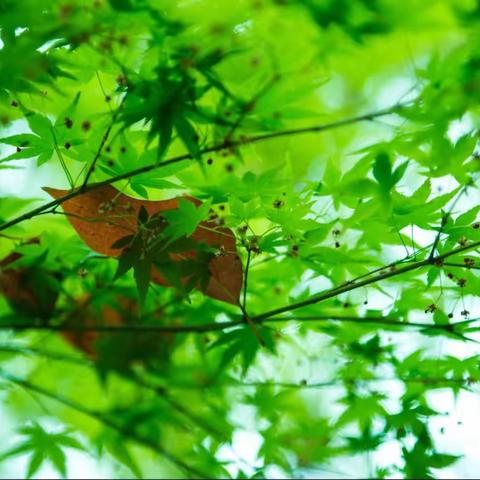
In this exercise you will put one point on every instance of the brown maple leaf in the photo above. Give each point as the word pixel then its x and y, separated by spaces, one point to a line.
pixel 103 216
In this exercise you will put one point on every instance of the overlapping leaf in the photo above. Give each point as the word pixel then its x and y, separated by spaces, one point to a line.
pixel 104 216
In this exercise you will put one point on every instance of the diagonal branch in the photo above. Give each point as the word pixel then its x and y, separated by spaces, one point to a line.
pixel 103 141
pixel 180 158
pixel 250 106
pixel 103 418
pixel 346 287
pixel 446 216
pixel 266 316
pixel 462 265
pixel 161 391
pixel 349 286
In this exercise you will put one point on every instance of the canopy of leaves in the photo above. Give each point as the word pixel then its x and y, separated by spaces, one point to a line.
pixel 303 177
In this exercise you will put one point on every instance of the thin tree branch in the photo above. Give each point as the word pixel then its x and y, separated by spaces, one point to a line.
pixel 153 166
pixel 133 328
pixel 234 383
pixel 250 106
pixel 372 320
pixel 103 418
pixel 105 136
pixel 347 287
pixel 303 384
pixel 161 391
pixel 437 381
pixel 218 326
pixel 352 285
pixel 61 159
pixel 461 265
pixel 445 218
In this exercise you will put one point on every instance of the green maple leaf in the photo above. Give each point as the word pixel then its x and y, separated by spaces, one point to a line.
pixel 43 446
pixel 184 220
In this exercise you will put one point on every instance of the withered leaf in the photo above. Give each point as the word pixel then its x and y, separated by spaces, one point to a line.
pixel 30 291
pixel 103 217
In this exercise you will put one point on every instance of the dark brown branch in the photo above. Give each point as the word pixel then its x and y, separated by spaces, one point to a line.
pixel 353 285
pixel 133 328
pixel 461 265
pixel 437 381
pixel 249 107
pixel 217 326
pixel 105 136
pixel 261 318
pixel 445 217
pixel 147 168
pixel 233 383
pixel 368 320
pixel 347 287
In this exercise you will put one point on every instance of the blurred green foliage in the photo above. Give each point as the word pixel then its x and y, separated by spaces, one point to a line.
pixel 92 90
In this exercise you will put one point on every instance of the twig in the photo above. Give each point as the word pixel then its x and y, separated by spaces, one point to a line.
pixel 100 147
pixel 334 383
pixel 163 393
pixel 119 329
pixel 445 218
pixel 461 265
pixel 352 285
pixel 249 106
pixel 347 287
pixel 153 166
pixel 373 320
pixel 218 326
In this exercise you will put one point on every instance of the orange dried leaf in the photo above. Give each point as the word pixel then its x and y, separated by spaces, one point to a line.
pixel 103 216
